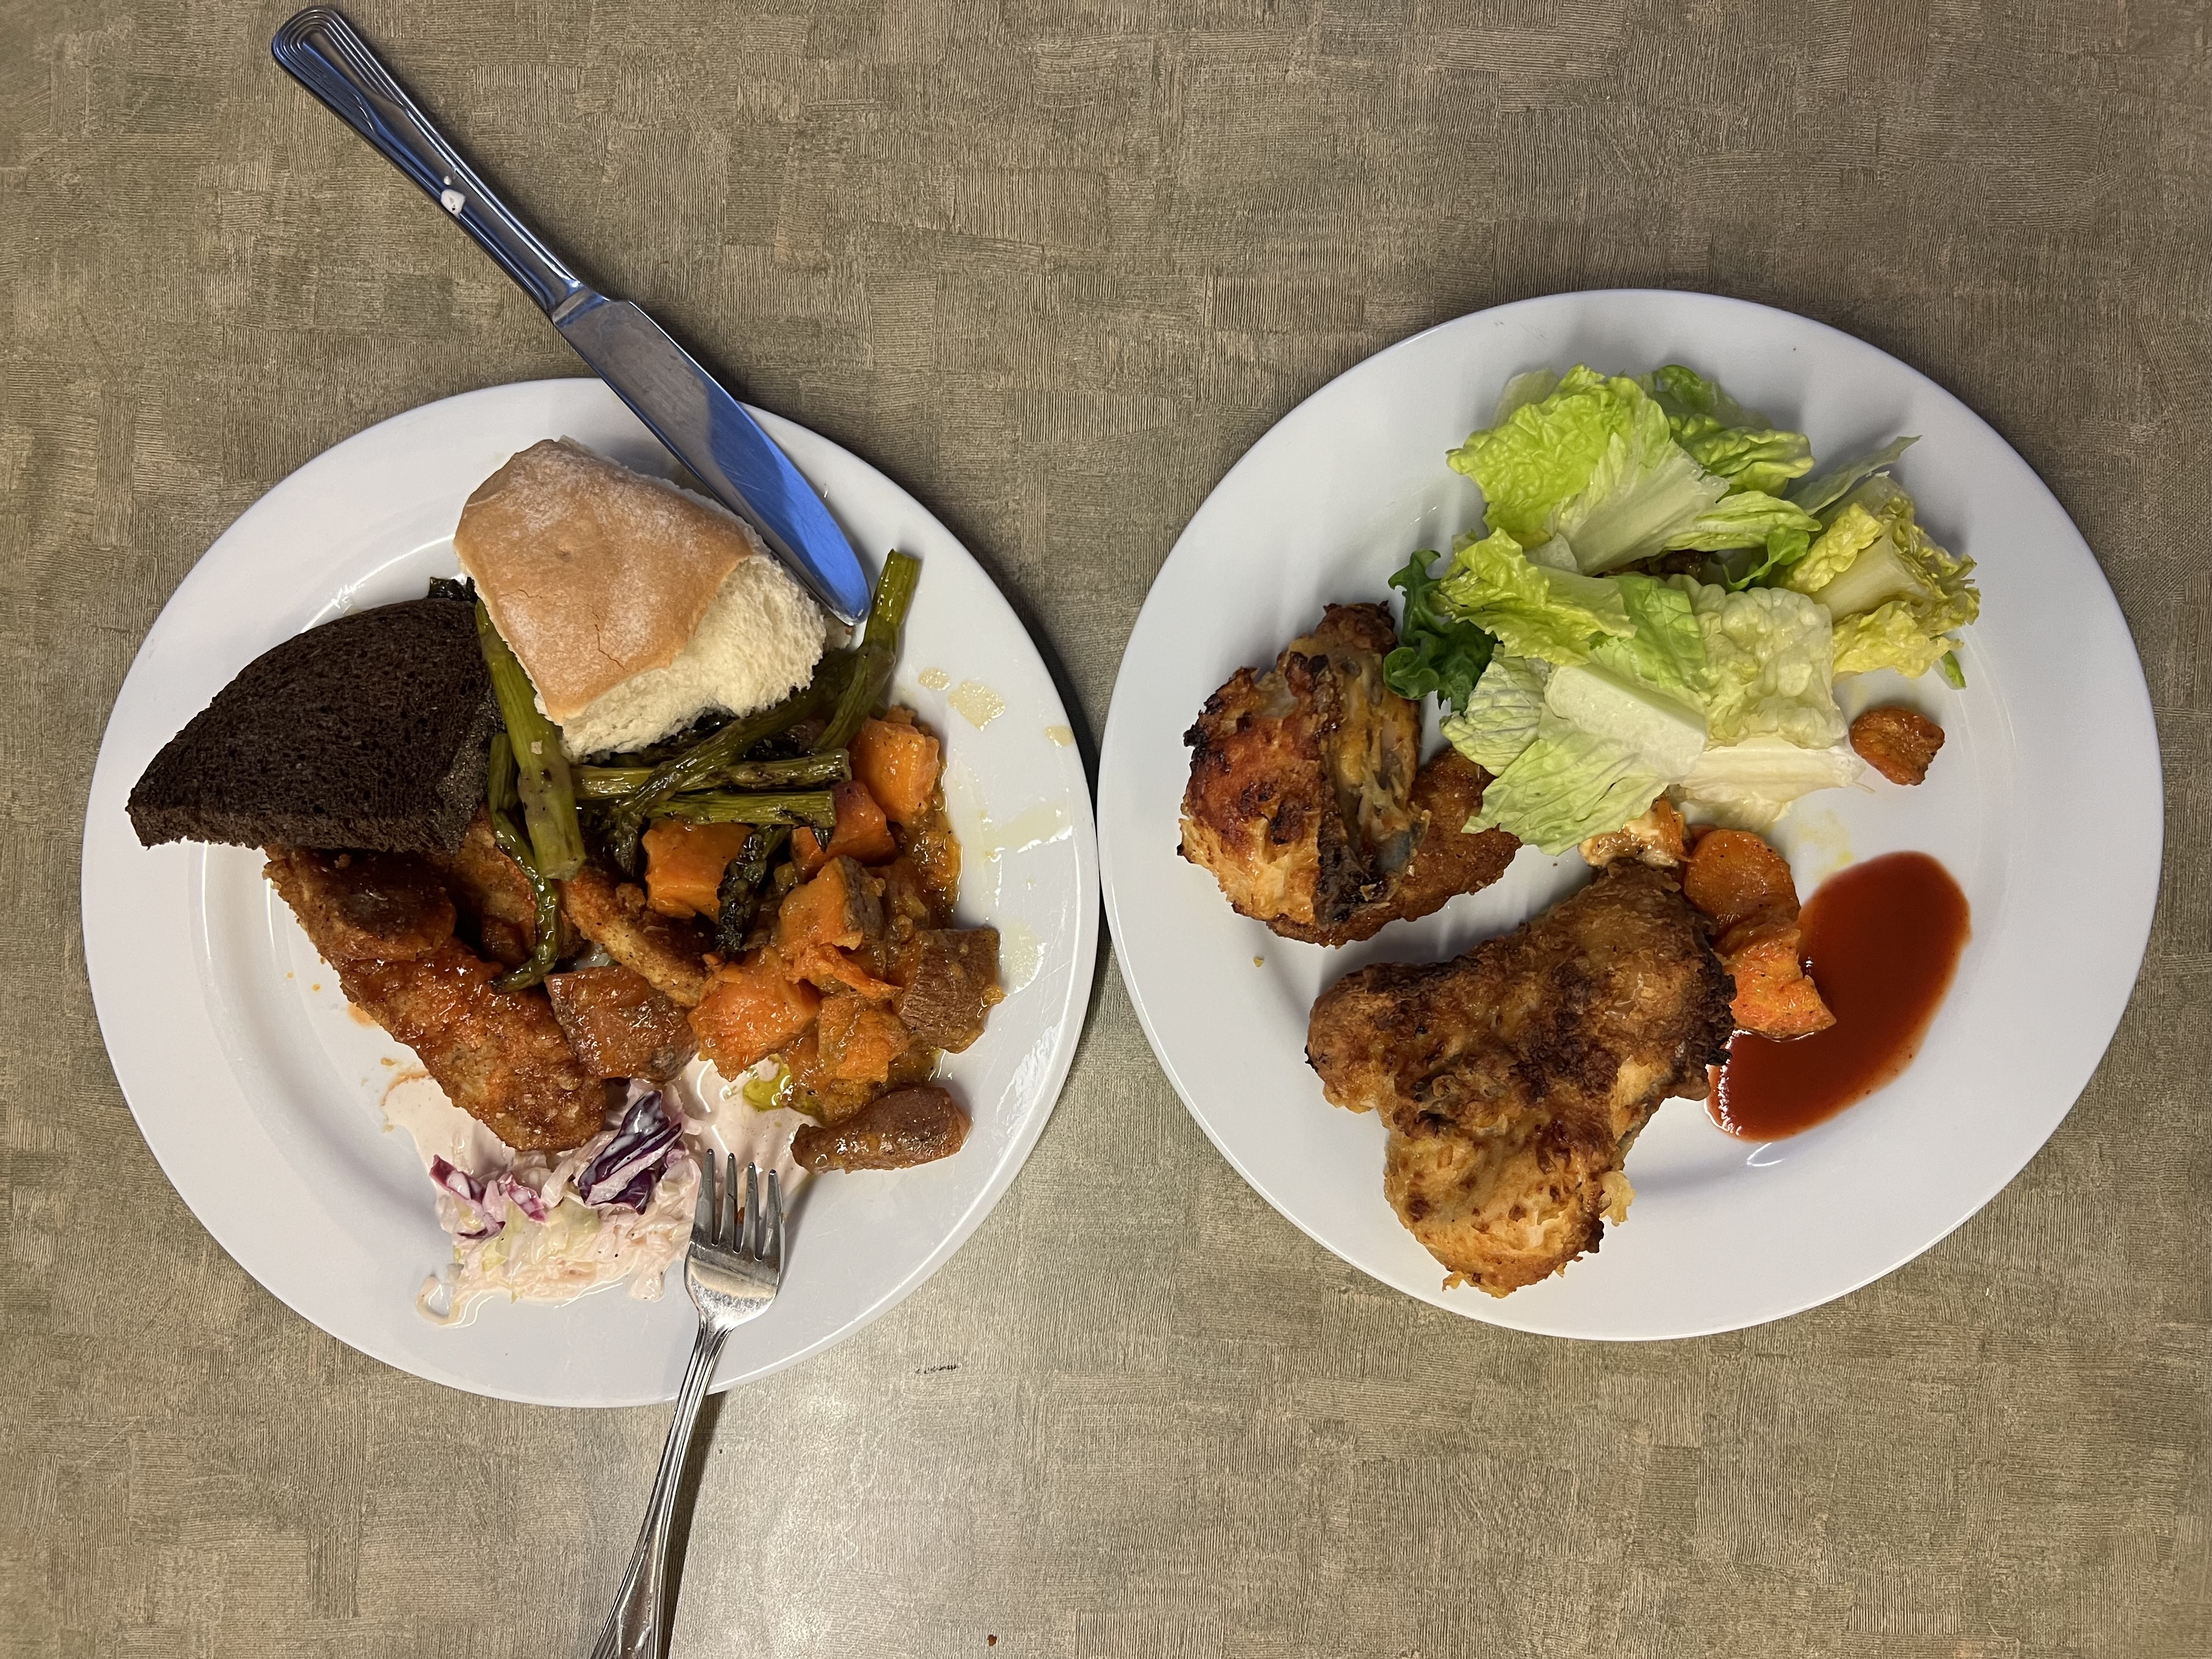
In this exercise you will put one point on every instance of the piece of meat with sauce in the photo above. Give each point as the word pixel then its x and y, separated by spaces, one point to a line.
pixel 501 1058
pixel 670 954
pixel 370 907
pixel 1899 743
pixel 1299 802
pixel 495 897
pixel 915 1125
pixel 1513 1078
pixel 1448 858
pixel 949 983
pixel 619 1025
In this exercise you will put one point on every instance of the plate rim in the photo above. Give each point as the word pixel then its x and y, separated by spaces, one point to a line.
pixel 219 1224
pixel 1114 738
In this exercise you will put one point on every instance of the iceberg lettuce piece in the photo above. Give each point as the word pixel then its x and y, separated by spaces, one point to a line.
pixel 1567 786
pixel 1749 785
pixel 1530 609
pixel 1769 656
pixel 1665 734
pixel 1895 596
pixel 1817 495
pixel 1723 437
pixel 1540 452
pixel 1500 719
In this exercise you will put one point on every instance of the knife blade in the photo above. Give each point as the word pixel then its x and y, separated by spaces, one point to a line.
pixel 686 407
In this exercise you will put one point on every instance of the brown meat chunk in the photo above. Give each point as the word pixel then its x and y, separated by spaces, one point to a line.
pixel 1299 802
pixel 670 954
pixel 367 907
pixel 1513 1078
pixel 949 978
pixel 496 904
pixel 896 1131
pixel 1899 743
pixel 619 1025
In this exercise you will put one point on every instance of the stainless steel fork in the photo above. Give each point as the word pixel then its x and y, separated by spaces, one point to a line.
pixel 732 1272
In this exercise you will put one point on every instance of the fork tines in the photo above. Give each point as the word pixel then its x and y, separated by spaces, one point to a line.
pixel 753 1232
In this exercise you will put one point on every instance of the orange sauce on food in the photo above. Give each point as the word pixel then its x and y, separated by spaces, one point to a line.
pixel 1881 940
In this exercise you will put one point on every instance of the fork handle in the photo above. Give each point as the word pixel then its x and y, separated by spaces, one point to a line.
pixel 326 55
pixel 635 1629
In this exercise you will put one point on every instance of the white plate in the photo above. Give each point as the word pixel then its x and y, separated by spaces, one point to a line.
pixel 1722 1234
pixel 259 1089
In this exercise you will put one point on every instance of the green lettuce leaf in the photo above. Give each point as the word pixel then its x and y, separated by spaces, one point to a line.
pixel 1529 610
pixel 1726 439
pixel 1894 595
pixel 1541 452
pixel 1668 649
pixel 1440 651
pixel 1747 519
pixel 1769 656
pixel 1500 720
pixel 1817 495
pixel 1567 785
pixel 1784 548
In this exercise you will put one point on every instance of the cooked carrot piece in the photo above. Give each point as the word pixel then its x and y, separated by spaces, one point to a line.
pixel 863 834
pixel 899 762
pixel 858 1040
pixel 752 1008
pixel 1898 742
pixel 1734 874
pixel 683 864
pixel 1774 996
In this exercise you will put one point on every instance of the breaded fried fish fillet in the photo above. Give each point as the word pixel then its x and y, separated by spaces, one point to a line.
pixel 1513 1079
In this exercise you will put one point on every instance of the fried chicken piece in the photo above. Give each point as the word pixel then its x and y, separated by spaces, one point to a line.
pixel 619 1025
pixel 894 1130
pixel 1299 800
pixel 670 954
pixel 502 1059
pixel 363 906
pixel 1899 743
pixel 493 894
pixel 1513 1078
pixel 1744 888
pixel 1448 858
pixel 1659 837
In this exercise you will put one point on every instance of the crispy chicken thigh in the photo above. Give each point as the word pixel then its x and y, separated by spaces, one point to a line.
pixel 1303 799
pixel 1513 1079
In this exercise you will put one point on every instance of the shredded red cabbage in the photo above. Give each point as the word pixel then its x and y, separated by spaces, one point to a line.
pixel 488 1203
pixel 626 1168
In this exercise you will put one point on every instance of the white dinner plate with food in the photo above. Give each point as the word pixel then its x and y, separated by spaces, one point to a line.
pixel 261 1089
pixel 1724 1231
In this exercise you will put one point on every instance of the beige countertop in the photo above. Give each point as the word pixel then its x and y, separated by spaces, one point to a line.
pixel 1053 266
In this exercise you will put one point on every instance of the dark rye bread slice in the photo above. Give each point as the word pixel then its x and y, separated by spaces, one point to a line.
pixel 370 731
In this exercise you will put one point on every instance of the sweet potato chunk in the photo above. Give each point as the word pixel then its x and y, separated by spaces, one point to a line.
pixel 1899 743
pixel 894 1130
pixel 824 926
pixel 753 1008
pixel 899 762
pixel 1774 996
pixel 858 1040
pixel 1734 874
pixel 862 834
pixel 619 1025
pixel 951 978
pixel 683 864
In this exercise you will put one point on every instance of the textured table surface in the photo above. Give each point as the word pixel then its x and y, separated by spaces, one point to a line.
pixel 1053 266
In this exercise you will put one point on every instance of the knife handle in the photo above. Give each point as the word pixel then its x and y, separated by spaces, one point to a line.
pixel 325 53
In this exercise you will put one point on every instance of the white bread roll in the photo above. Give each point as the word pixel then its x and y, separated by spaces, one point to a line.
pixel 634 606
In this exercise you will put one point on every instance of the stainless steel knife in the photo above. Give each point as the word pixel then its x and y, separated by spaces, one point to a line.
pixel 707 429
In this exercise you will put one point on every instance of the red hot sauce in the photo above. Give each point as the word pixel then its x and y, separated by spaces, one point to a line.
pixel 1881 939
